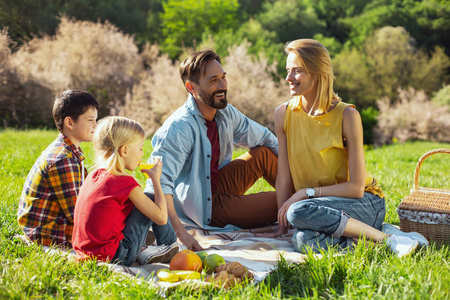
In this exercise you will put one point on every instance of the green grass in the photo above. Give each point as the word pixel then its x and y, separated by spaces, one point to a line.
pixel 368 272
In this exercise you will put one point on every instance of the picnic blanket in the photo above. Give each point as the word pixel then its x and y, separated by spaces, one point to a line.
pixel 259 255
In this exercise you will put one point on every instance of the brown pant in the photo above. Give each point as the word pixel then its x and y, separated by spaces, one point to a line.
pixel 231 206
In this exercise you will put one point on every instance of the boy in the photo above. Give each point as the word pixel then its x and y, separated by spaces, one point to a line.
pixel 50 191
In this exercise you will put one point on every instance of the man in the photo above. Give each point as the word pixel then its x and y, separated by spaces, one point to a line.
pixel 203 187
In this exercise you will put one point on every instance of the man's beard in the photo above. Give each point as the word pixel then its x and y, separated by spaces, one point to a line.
pixel 209 99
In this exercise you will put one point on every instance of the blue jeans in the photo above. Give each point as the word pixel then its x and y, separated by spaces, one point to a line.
pixel 320 222
pixel 135 232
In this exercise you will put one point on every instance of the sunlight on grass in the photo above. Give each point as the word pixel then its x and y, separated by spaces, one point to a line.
pixel 366 272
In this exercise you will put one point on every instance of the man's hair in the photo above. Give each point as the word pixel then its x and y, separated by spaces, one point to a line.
pixel 194 66
pixel 72 103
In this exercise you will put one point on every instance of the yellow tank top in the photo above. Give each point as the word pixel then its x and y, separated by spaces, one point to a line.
pixel 316 151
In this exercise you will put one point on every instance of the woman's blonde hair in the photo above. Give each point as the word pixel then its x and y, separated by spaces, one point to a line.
pixel 111 134
pixel 315 59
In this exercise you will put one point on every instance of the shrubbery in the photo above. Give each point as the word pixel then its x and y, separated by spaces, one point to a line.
pixel 412 117
pixel 145 84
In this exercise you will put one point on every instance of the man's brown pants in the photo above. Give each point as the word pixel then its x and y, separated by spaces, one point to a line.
pixel 231 206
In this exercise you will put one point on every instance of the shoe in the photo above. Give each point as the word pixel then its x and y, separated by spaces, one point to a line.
pixel 392 230
pixel 158 254
pixel 401 245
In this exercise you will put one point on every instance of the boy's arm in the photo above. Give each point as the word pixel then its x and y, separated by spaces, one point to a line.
pixel 64 179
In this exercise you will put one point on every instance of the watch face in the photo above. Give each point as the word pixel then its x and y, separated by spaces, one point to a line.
pixel 310 192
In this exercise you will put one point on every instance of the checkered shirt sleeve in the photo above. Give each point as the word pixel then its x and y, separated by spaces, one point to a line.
pixel 48 199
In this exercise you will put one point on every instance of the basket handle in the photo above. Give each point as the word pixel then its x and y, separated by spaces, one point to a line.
pixel 421 159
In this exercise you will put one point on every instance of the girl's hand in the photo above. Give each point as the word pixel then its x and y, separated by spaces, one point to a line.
pixel 155 172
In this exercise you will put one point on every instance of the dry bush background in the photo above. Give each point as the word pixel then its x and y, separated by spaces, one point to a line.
pixel 145 85
pixel 412 117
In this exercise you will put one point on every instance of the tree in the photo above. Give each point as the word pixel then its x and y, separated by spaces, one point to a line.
pixel 290 20
pixel 183 22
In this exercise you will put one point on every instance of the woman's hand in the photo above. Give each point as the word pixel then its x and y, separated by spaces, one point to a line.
pixel 282 212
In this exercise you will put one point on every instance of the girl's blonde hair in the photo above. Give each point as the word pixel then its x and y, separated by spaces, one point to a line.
pixel 315 59
pixel 111 134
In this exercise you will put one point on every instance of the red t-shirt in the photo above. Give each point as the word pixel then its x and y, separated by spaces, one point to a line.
pixel 213 136
pixel 100 213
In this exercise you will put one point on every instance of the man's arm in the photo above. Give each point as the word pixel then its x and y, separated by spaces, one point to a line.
pixel 250 134
pixel 188 240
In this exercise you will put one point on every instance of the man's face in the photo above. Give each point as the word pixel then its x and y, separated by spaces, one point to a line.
pixel 212 87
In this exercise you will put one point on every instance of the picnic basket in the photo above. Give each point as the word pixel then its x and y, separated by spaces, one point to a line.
pixel 426 210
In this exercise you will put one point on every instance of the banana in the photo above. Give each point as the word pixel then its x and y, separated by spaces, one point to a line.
pixel 174 276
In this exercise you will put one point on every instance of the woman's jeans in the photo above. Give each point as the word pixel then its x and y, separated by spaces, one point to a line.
pixel 320 222
pixel 135 232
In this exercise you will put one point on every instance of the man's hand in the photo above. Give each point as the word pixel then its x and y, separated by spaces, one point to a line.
pixel 190 242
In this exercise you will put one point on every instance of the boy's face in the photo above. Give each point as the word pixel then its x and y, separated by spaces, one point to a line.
pixel 82 130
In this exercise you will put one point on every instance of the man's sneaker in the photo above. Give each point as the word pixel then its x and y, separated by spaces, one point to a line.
pixel 392 230
pixel 401 245
pixel 158 254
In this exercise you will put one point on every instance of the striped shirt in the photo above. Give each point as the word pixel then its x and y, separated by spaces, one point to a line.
pixel 49 194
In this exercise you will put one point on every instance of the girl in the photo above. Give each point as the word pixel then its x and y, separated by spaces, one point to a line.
pixel 321 152
pixel 112 215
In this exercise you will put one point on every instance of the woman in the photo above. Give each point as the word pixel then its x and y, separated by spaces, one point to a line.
pixel 321 153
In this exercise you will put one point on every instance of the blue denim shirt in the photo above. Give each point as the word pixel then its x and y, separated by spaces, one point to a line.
pixel 183 143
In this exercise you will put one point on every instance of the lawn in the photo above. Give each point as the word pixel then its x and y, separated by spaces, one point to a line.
pixel 367 272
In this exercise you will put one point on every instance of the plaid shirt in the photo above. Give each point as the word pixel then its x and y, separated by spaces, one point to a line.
pixel 49 194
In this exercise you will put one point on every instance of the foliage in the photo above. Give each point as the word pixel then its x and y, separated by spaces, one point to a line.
pixel 251 87
pixel 290 20
pixel 367 272
pixel 413 117
pixel 183 22
pixel 389 60
pixel 83 55
pixel 442 97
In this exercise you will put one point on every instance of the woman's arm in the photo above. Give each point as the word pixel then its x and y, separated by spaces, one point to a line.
pixel 352 132
pixel 283 183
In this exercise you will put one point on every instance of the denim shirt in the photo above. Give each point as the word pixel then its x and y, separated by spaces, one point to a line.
pixel 183 143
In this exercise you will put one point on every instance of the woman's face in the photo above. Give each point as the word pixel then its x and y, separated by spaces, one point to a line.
pixel 300 82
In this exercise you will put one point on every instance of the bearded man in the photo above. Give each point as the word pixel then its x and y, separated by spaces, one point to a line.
pixel 203 186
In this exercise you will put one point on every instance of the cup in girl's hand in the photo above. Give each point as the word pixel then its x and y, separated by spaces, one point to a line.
pixel 150 163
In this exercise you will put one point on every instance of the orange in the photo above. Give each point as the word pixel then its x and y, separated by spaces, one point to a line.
pixel 186 260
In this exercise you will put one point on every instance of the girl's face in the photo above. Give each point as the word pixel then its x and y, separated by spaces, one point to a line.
pixel 134 155
pixel 300 82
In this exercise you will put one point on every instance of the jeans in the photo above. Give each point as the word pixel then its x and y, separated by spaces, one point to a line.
pixel 135 232
pixel 320 222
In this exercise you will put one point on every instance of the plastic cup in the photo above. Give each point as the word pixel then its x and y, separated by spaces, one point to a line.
pixel 150 163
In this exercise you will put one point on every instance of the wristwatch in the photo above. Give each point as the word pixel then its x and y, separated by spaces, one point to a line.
pixel 310 192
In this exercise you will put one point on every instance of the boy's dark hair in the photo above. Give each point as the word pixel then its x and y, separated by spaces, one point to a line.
pixel 72 103
pixel 194 66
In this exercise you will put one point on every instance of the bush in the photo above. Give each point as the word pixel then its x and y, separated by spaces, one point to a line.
pixel 157 95
pixel 83 55
pixel 23 101
pixel 442 97
pixel 251 88
pixel 412 117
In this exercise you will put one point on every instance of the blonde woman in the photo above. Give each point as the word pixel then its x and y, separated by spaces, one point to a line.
pixel 336 201
pixel 112 214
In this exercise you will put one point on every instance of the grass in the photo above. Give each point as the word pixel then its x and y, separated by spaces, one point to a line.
pixel 367 272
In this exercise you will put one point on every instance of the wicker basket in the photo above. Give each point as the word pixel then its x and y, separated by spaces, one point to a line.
pixel 426 210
